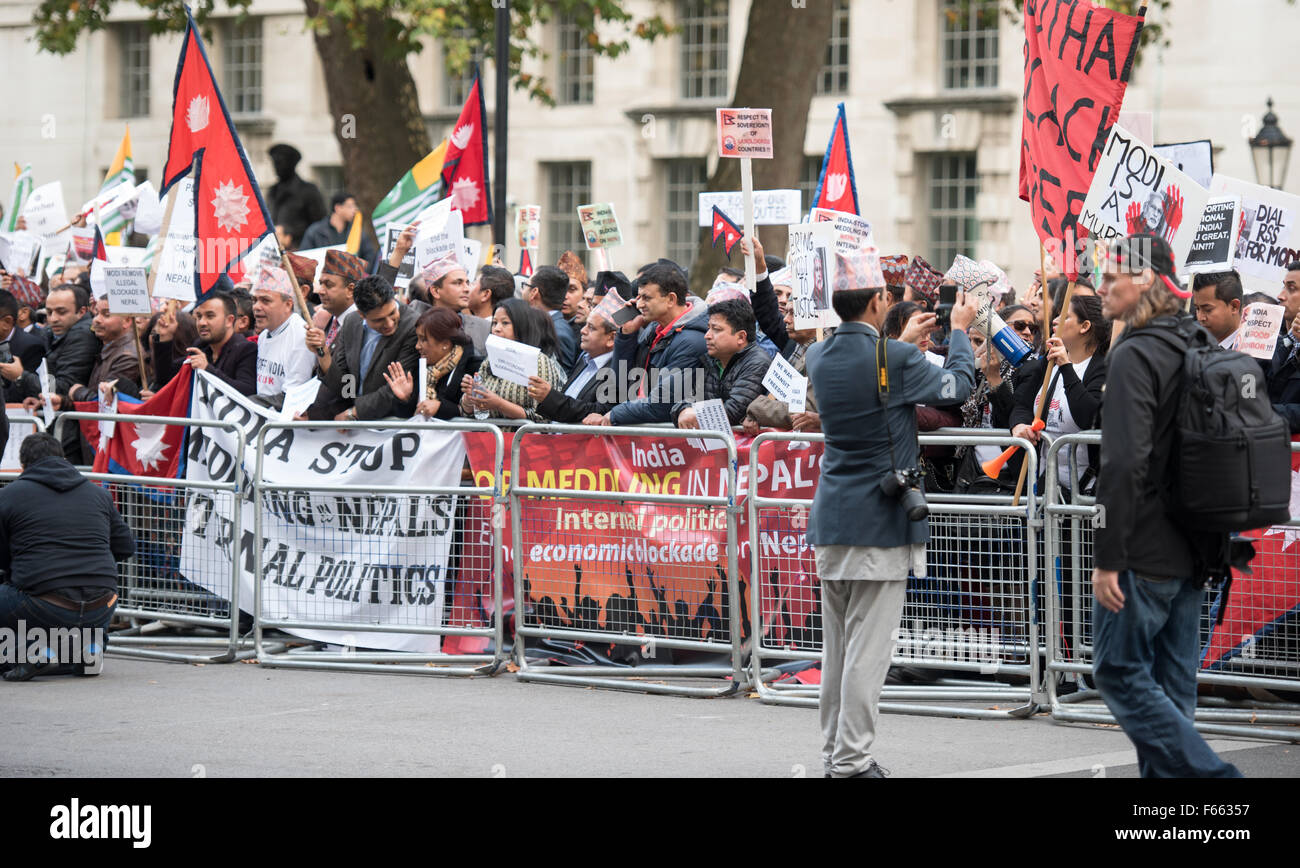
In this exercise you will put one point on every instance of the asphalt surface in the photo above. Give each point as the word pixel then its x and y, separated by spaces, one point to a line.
pixel 145 718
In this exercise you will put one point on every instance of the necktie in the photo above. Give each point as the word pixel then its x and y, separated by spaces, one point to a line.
pixel 333 330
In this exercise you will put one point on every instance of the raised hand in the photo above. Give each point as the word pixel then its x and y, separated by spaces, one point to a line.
pixel 399 381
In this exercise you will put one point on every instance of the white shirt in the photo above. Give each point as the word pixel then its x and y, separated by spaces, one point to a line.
pixel 1230 342
pixel 581 381
pixel 283 359
pixel 1060 421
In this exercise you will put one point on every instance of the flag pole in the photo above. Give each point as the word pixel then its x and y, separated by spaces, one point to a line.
pixel 162 242
pixel 747 192
pixel 1048 370
pixel 501 70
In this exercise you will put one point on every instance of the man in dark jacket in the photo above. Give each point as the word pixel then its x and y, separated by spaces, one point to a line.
pixel 734 367
pixel 222 351
pixel 295 204
pixel 864 541
pixel 1148 576
pixel 662 346
pixel 60 540
pixel 1284 372
pixel 546 291
pixel 334 229
pixel 70 354
pixel 588 381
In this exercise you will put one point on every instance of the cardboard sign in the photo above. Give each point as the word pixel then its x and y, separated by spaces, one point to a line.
pixel 471 253
pixel 1216 237
pixel 148 210
pixel 43 374
pixel 1269 236
pixel 528 225
pixel 1261 326
pixel 1136 190
pixel 128 291
pixel 406 270
pixel 786 384
pixel 178 258
pixel 18 252
pixel 745 133
pixel 298 398
pixel 853 233
pixel 599 226
pixel 1193 159
pixel 441 233
pixel 512 361
pixel 771 207
pixel 711 415
pixel 46 215
pixel 811 259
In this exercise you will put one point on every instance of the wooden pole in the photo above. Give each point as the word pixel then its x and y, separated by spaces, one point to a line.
pixel 298 297
pixel 1046 300
pixel 162 238
pixel 139 354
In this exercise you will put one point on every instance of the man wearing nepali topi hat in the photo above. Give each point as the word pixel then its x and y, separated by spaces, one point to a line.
pixel 283 359
pixel 338 278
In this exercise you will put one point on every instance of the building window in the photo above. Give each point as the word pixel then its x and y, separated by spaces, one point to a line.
pixel 970 44
pixel 577 63
pixel 568 185
pixel 703 25
pixel 455 87
pixel 683 181
pixel 808 177
pixel 835 71
pixel 135 71
pixel 954 187
pixel 243 66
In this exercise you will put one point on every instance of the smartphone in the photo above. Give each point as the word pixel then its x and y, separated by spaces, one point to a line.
pixel 947 301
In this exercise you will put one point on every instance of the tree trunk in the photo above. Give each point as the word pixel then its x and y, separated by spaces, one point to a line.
pixel 784 48
pixel 372 99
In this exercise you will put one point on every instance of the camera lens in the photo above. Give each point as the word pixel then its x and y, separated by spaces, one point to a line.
pixel 914 504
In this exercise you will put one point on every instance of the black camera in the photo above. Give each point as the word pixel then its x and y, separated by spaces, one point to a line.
pixel 906 486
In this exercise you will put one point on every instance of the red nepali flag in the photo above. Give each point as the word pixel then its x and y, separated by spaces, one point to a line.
pixel 726 229
pixel 836 188
pixel 464 168
pixel 1262 601
pixel 230 216
pixel 1078 59
pixel 144 449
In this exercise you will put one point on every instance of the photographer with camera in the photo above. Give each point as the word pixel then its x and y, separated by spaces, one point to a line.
pixel 868 521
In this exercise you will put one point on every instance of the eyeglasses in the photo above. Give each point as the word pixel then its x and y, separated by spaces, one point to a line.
pixel 1024 326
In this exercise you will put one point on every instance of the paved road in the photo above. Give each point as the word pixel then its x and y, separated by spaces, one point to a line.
pixel 175 720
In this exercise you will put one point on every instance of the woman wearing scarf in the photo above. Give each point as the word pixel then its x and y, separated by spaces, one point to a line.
pixel 450 355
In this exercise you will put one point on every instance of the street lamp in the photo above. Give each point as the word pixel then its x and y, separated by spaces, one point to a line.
pixel 1272 151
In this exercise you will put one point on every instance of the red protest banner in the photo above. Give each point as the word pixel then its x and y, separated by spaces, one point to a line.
pixel 1078 58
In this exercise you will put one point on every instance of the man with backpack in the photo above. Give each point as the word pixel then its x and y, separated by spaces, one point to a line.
pixel 1188 448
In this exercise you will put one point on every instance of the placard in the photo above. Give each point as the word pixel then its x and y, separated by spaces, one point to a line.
pixel 771 207
pixel 745 132
pixel 1193 159
pixel 853 233
pixel 1136 190
pixel 441 233
pixel 811 259
pixel 471 253
pixel 299 397
pixel 599 226
pixel 406 270
pixel 1261 326
pixel 178 258
pixel 128 291
pixel 1269 238
pixel 528 225
pixel 786 383
pixel 149 212
pixel 512 361
pixel 1216 238
pixel 46 215
pixel 18 252
pixel 711 415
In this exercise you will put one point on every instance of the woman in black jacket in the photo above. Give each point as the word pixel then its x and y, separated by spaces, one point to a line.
pixel 1077 349
pixel 449 353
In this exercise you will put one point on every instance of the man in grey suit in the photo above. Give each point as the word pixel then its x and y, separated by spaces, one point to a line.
pixel 352 369
pixel 863 538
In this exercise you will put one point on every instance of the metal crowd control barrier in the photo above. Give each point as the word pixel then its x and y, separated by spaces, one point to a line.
pixel 671 627
pixel 152 591
pixel 976 607
pixel 1270 665
pixel 463 555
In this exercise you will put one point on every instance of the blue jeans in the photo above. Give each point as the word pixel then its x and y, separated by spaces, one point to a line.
pixel 17 605
pixel 1145 666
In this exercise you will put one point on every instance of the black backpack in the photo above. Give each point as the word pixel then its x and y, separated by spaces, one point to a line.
pixel 1233 453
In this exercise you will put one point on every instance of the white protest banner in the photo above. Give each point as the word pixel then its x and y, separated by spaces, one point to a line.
pixel 528 225
pixel 439 235
pixel 745 132
pixel 128 291
pixel 1270 232
pixel 406 270
pixel 317 254
pixel 125 257
pixel 1136 190
pixel 298 398
pixel 43 375
pixel 470 253
pixel 786 384
pixel 853 232
pixel 711 415
pixel 148 210
pixel 111 199
pixel 599 225
pixel 512 361
pixel 771 207
pixel 1261 326
pixel 811 258
pixel 18 252
pixel 21 425
pixel 1216 237
pixel 1193 159
pixel 178 259
pixel 46 215
pixel 344 555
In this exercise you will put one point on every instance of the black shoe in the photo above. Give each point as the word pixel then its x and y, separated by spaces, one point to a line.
pixel 27 671
pixel 872 771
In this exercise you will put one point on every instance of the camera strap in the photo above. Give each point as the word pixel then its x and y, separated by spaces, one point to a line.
pixel 882 392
